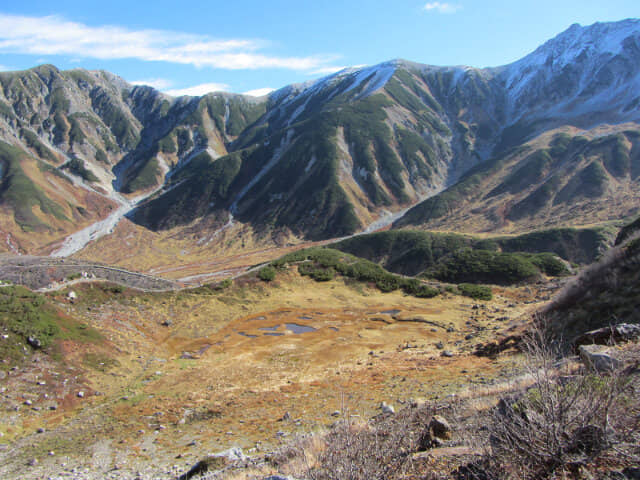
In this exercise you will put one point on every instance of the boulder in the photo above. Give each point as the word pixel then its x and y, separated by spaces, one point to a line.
pixel 622 332
pixel 439 427
pixel 434 435
pixel 214 462
pixel 598 358
pixel 387 409
pixel 34 342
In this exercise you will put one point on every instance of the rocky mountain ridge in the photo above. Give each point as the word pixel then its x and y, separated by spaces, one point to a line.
pixel 314 160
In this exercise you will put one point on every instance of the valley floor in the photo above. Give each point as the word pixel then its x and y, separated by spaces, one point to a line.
pixel 188 373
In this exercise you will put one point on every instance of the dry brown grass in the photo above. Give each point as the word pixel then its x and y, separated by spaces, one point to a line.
pixel 565 423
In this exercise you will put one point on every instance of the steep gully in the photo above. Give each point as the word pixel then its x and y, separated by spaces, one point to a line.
pixel 80 239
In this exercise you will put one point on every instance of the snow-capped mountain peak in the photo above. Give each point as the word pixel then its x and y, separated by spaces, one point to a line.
pixel 579 62
pixel 599 38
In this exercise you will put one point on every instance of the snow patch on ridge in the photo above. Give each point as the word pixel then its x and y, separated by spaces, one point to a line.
pixel 380 75
pixel 588 50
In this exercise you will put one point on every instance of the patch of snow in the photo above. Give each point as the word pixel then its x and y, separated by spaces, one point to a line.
pixel 381 75
pixel 226 111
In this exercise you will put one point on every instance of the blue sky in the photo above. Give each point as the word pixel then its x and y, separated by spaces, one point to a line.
pixel 249 45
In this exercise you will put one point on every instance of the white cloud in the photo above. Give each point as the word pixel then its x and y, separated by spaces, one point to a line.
pixel 326 70
pixel 441 7
pixel 259 92
pixel 54 35
pixel 157 83
pixel 198 90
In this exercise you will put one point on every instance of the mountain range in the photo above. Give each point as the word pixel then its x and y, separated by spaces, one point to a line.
pixel 552 139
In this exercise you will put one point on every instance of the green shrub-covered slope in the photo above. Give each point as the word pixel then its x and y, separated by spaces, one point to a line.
pixel 29 321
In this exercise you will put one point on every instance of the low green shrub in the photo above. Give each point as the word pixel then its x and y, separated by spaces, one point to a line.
pixel 484 266
pixel 323 264
pixel 267 274
pixel 76 166
pixel 477 292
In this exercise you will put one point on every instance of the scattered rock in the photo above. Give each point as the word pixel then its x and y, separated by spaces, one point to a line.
pixel 336 413
pixel 598 358
pixel 80 394
pixel 40 430
pixel 285 418
pixel 234 454
pixel 33 462
pixel 166 323
pixel 387 409
pixel 495 347
pixel 439 345
pixel 28 403
pixel 447 353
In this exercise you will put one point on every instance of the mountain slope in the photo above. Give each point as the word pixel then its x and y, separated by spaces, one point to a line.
pixel 392 134
pixel 559 179
pixel 333 156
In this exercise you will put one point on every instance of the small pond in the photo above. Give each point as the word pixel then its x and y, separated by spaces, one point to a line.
pixel 297 329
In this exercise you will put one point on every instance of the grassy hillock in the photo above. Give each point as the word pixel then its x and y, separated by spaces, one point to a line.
pixel 461 258
pixel 25 314
pixel 323 264
pixel 404 252
pixel 577 245
pixel 484 266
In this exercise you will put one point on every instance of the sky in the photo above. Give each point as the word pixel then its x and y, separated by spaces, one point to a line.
pixel 253 46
